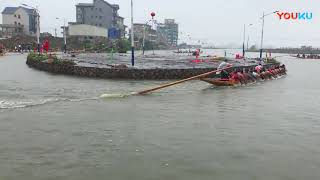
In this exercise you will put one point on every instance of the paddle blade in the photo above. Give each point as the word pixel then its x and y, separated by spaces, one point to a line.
pixel 111 96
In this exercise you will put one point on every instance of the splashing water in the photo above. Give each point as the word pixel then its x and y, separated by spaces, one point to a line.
pixel 123 95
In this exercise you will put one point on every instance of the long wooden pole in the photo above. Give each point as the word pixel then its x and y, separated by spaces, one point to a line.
pixel 180 81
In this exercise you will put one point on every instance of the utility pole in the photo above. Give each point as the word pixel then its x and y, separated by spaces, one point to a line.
pixel 244 39
pixel 65 35
pixel 144 38
pixel 38 31
pixel 132 36
pixel 248 42
pixel 262 31
pixel 261 44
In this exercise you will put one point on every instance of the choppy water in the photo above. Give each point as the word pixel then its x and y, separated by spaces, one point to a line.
pixel 56 127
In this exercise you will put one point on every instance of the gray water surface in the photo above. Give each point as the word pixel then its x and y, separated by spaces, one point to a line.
pixel 57 127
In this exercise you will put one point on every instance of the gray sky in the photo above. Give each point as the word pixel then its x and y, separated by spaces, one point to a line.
pixel 216 22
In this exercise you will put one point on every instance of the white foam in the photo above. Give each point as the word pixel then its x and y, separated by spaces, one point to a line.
pixel 105 96
pixel 14 104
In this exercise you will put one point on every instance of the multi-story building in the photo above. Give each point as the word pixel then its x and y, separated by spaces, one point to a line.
pixel 144 30
pixel 169 30
pixel 18 21
pixel 102 14
pixel 85 31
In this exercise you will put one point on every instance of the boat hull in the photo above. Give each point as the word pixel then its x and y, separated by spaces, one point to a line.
pixel 219 82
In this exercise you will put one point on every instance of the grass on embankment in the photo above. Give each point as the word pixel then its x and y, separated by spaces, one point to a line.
pixel 50 59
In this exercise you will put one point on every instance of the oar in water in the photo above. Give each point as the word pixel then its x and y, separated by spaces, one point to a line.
pixel 147 91
pixel 179 82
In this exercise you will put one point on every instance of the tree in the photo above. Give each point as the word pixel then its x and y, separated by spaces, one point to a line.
pixel 123 45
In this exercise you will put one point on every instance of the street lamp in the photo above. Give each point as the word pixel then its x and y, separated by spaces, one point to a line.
pixel 244 39
pixel 36 12
pixel 64 35
pixel 248 38
pixel 261 45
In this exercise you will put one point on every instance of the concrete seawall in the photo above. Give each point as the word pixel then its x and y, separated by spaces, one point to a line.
pixel 113 73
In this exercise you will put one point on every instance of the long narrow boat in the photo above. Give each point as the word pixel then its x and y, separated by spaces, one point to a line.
pixel 231 82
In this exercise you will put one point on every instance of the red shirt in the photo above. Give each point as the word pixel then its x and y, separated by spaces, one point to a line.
pixel 234 76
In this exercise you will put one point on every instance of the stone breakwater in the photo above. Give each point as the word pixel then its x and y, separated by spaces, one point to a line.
pixel 119 73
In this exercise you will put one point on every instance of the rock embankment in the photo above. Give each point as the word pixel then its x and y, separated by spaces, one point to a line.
pixel 117 73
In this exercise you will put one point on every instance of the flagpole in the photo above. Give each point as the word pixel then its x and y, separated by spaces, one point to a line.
pixel 132 36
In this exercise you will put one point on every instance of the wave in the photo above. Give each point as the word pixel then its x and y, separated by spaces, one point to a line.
pixel 16 104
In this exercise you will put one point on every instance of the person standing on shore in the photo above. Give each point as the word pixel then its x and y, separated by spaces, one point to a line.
pixel 46 45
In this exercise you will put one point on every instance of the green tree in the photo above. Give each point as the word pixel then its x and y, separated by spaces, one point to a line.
pixel 123 45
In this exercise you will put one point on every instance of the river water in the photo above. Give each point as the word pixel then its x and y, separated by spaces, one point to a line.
pixel 57 127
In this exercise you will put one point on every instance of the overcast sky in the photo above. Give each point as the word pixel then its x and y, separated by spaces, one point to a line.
pixel 216 22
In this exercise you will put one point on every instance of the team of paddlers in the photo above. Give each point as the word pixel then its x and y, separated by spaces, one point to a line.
pixel 311 56
pixel 249 75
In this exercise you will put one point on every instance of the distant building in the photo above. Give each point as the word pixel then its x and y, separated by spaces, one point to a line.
pixel 169 30
pixel 306 47
pixel 18 21
pixel 150 34
pixel 85 31
pixel 102 14
pixel 189 46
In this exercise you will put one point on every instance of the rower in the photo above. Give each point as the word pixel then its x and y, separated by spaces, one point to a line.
pixel 268 74
pixel 245 75
pixel 255 74
pixel 241 77
pixel 224 74
pixel 283 69
pixel 272 72
pixel 249 75
pixel 258 68
pixel 234 76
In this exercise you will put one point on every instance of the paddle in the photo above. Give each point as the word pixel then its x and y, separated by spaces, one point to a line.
pixel 147 91
pixel 179 82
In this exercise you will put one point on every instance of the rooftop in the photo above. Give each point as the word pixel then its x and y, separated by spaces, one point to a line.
pixel 9 10
pixel 115 6
pixel 12 10
pixel 85 4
